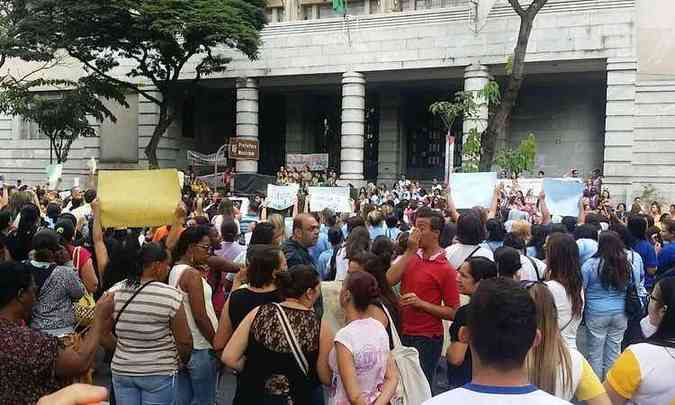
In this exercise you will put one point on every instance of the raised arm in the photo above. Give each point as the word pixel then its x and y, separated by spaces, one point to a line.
pixel 179 219
pixel 397 268
pixel 101 251
pixel 582 212
pixel 495 201
pixel 545 213
pixel 452 209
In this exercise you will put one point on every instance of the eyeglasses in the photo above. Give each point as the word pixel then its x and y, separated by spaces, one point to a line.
pixel 527 284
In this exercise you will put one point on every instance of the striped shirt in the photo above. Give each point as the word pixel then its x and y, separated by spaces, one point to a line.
pixel 145 342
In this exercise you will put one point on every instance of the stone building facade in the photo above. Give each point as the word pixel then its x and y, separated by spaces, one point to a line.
pixel 359 87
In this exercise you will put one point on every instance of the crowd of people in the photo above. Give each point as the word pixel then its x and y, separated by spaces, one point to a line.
pixel 513 304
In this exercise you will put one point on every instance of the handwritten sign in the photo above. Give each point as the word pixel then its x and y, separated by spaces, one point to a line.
pixel 473 189
pixel 563 195
pixel 54 173
pixel 316 161
pixel 244 149
pixel 138 198
pixel 335 198
pixel 281 197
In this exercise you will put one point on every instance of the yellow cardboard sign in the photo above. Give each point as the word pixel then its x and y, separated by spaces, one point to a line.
pixel 137 198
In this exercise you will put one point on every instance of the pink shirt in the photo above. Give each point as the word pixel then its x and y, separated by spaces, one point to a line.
pixel 368 341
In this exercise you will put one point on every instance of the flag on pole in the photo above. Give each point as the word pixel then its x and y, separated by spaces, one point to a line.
pixel 340 6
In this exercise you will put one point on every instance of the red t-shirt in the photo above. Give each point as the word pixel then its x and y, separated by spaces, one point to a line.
pixel 434 281
pixel 82 257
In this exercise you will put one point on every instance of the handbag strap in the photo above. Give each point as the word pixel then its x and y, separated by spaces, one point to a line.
pixel 76 258
pixel 536 268
pixel 126 304
pixel 472 253
pixel 292 340
pixel 394 332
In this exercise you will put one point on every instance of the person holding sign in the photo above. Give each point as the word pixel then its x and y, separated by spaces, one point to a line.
pixel 429 290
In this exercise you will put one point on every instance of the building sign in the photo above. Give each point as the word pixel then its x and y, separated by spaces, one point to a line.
pixel 316 161
pixel 244 149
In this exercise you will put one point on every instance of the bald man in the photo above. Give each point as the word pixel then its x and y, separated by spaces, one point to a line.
pixel 305 235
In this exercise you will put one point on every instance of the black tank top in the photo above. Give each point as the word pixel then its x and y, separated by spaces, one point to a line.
pixel 243 300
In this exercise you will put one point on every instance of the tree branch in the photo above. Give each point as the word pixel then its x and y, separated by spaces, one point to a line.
pixel 515 4
pixel 534 7
pixel 128 85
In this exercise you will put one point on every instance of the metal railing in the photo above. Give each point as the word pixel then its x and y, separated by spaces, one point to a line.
pixel 431 4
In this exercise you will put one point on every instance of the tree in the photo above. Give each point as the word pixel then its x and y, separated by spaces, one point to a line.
pixel 498 123
pixel 466 106
pixel 520 160
pixel 65 117
pixel 157 38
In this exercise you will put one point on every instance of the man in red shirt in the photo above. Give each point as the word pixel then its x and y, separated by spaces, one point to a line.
pixel 429 290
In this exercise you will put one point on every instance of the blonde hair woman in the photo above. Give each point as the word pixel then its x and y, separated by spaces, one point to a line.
pixel 552 366
pixel 279 229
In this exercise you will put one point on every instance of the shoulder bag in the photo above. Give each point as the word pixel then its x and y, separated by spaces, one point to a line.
pixel 413 388
pixel 126 304
pixel 85 308
pixel 634 308
pixel 292 340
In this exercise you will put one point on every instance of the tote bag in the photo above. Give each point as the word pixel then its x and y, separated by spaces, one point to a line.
pixel 413 388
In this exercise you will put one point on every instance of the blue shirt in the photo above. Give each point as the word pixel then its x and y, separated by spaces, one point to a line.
pixel 392 233
pixel 666 257
pixel 376 231
pixel 322 244
pixel 323 261
pixel 601 301
pixel 648 254
pixel 587 248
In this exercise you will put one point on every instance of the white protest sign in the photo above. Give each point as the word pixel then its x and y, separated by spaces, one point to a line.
pixel 315 161
pixel 524 185
pixel 54 174
pixel 563 195
pixel 281 197
pixel 335 198
pixel 473 189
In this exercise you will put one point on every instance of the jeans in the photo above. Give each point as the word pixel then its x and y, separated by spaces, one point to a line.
pixel 148 390
pixel 197 382
pixel 604 340
pixel 429 349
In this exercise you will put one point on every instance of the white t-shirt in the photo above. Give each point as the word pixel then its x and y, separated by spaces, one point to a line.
pixel 645 374
pixel 341 264
pixel 568 326
pixel 527 270
pixel 490 395
pixel 459 252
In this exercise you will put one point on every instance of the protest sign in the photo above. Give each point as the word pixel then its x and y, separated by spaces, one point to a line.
pixel 281 197
pixel 473 189
pixel 524 185
pixel 138 198
pixel 335 198
pixel 563 196
pixel 316 161
pixel 54 174
pixel 240 203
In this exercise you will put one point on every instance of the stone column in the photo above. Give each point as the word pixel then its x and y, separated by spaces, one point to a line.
pixel 390 163
pixel 353 127
pixel 475 78
pixel 620 129
pixel 247 118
